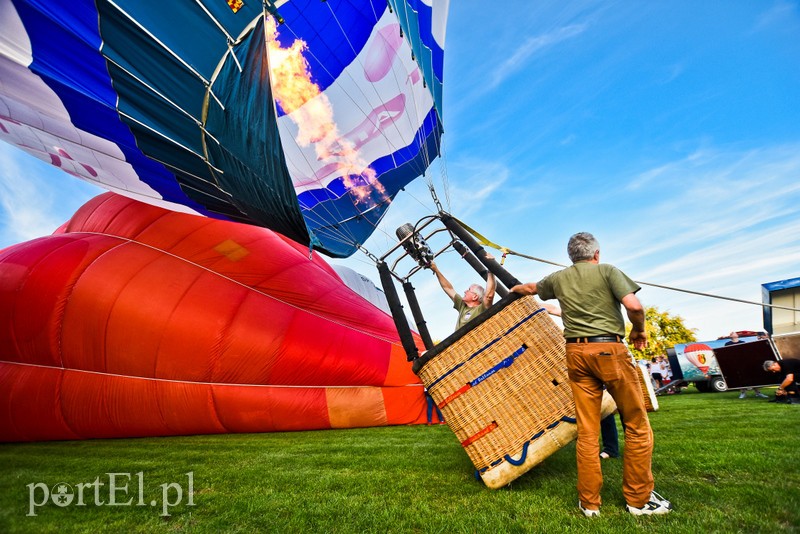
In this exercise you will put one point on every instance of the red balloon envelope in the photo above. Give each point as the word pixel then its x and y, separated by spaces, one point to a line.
pixel 136 321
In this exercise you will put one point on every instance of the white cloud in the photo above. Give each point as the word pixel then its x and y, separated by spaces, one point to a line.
pixel 779 13
pixel 26 207
pixel 32 201
pixel 530 47
pixel 724 223
pixel 477 183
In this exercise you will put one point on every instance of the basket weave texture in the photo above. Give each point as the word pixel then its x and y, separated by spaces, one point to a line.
pixel 503 384
pixel 648 394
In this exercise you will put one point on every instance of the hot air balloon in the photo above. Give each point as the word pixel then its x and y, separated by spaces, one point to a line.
pixel 306 118
pixel 132 320
pixel 699 355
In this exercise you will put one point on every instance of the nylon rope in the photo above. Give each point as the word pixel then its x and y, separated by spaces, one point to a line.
pixel 506 251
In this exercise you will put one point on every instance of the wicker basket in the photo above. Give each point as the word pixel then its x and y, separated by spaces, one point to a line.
pixel 504 391
pixel 650 400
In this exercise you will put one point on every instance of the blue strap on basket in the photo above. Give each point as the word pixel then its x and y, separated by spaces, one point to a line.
pixel 492 342
pixel 502 364
pixel 506 362
pixel 525 446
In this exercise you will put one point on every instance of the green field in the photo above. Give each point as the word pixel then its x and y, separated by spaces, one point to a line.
pixel 728 465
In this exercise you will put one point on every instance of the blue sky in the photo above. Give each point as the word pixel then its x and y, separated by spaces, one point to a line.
pixel 669 130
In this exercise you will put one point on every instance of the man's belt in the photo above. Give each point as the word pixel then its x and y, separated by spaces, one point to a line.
pixel 609 338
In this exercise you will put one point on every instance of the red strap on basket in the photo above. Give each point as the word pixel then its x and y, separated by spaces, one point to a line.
pixel 472 439
pixel 455 394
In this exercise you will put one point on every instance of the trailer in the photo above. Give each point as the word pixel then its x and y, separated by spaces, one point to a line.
pixel 714 366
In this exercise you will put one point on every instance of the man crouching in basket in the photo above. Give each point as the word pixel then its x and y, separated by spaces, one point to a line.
pixel 590 294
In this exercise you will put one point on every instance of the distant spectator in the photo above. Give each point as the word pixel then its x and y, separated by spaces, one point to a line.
pixel 609 437
pixel 431 407
pixel 736 341
pixel 666 375
pixel 655 373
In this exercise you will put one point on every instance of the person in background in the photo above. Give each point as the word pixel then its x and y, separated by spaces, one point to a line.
pixel 666 375
pixel 655 373
pixel 736 341
pixel 610 437
pixel 431 407
pixel 789 369
pixel 476 299
pixel 591 296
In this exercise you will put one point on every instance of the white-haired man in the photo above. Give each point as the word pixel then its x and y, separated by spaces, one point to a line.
pixel 591 295
pixel 789 369
pixel 476 299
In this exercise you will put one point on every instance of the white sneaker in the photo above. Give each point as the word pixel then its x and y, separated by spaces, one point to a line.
pixel 657 505
pixel 742 395
pixel 588 513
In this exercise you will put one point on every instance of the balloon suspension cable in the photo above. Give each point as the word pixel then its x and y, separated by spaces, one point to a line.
pixel 435 198
pixel 507 251
pixel 369 254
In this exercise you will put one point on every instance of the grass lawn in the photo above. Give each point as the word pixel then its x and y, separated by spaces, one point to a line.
pixel 728 465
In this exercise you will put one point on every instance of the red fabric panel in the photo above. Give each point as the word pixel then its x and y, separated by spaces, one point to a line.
pixel 399 372
pixel 265 409
pixel 253 342
pixel 330 354
pixel 35 281
pixel 198 302
pixel 46 404
pixel 30 404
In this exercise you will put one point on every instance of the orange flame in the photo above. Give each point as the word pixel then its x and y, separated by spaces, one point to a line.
pixel 312 112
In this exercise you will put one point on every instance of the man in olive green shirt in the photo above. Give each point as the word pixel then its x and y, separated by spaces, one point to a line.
pixel 591 296
pixel 476 299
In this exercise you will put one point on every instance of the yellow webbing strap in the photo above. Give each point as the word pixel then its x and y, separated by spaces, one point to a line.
pixel 483 240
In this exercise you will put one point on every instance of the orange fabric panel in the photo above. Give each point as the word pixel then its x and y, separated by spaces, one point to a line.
pixel 356 407
pixel 399 372
pixel 405 405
